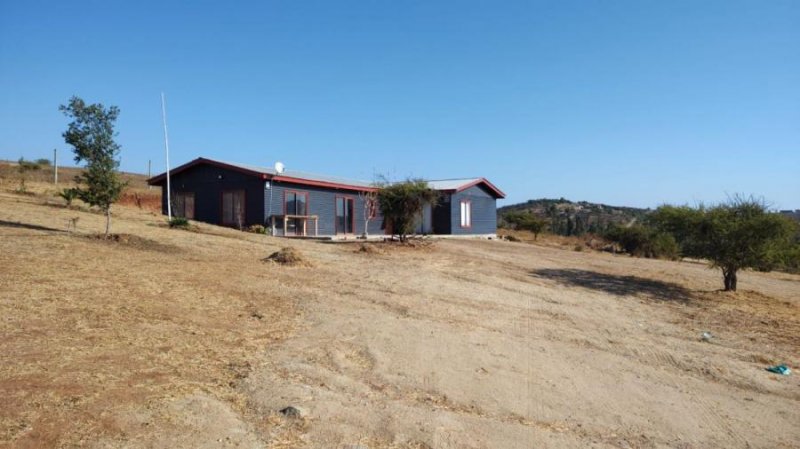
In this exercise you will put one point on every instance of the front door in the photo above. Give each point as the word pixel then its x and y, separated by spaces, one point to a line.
pixel 233 208
pixel 345 215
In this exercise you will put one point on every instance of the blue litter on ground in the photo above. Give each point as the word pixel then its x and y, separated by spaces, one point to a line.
pixel 780 369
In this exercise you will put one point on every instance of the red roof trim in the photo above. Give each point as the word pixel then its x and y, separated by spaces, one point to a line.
pixel 488 184
pixel 160 178
pixel 156 180
pixel 335 185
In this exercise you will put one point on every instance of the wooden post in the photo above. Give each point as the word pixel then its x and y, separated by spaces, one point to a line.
pixel 149 164
pixel 55 166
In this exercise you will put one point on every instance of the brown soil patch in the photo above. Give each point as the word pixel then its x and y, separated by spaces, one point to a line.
pixel 289 256
pixel 149 200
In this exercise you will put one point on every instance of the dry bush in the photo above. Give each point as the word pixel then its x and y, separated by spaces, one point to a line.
pixel 289 256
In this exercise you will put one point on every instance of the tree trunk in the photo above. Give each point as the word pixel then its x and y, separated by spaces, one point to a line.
pixel 729 275
pixel 108 220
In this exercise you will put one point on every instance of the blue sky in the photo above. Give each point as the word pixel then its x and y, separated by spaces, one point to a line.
pixel 630 103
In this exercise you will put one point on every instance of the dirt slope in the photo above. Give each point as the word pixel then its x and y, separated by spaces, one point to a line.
pixel 189 339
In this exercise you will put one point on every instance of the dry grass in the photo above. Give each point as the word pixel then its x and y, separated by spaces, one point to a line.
pixel 94 328
pixel 164 338
pixel 555 241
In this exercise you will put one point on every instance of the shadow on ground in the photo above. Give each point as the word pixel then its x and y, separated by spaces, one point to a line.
pixel 615 284
pixel 12 224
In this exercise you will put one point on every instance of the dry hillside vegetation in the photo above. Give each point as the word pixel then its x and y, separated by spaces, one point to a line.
pixel 174 339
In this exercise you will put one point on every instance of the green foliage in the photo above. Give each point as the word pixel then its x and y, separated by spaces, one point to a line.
pixel 741 233
pixel 402 203
pixel 91 134
pixel 644 241
pixel 179 222
pixel 44 162
pixel 69 195
pixel 526 221
pixel 256 229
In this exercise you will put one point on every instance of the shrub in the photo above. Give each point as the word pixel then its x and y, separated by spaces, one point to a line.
pixel 402 203
pixel 664 246
pixel 179 222
pixel 256 229
pixel 43 162
pixel 642 241
pixel 69 195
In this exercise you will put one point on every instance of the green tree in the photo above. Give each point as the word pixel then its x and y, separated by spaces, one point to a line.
pixel 91 134
pixel 738 234
pixel 526 221
pixel 401 203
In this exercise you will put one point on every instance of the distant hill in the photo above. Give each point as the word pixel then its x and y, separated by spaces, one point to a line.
pixel 576 218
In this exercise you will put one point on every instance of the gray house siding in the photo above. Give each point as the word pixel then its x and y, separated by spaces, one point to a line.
pixel 484 211
pixel 321 202
pixel 207 182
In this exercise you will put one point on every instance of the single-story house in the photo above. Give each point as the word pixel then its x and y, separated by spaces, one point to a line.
pixel 293 203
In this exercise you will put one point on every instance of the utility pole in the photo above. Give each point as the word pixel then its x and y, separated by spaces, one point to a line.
pixel 166 151
pixel 55 166
pixel 149 164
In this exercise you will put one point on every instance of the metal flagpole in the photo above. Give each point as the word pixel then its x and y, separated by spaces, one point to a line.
pixel 166 149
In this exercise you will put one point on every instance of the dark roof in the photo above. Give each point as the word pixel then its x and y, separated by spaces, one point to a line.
pixel 270 173
pixel 454 185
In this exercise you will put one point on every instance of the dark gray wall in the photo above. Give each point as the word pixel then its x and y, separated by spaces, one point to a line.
pixel 484 211
pixel 441 215
pixel 321 202
pixel 208 182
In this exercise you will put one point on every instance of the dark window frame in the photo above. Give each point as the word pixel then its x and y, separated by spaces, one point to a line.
pixel 352 200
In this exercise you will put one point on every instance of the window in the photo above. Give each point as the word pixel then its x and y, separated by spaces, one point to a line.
pixel 296 203
pixel 183 205
pixel 233 208
pixel 466 214
pixel 345 215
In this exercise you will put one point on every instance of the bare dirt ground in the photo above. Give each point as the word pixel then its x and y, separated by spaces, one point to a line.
pixel 169 338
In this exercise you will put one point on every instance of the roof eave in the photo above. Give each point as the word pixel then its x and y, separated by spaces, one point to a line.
pixel 157 180
pixel 492 187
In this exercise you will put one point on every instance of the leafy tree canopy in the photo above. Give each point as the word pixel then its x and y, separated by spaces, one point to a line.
pixel 91 134
pixel 740 233
pixel 401 204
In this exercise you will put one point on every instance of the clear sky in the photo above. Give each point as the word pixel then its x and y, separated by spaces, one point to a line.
pixel 627 103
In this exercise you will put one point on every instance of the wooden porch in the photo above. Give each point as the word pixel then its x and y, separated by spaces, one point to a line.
pixel 301 225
